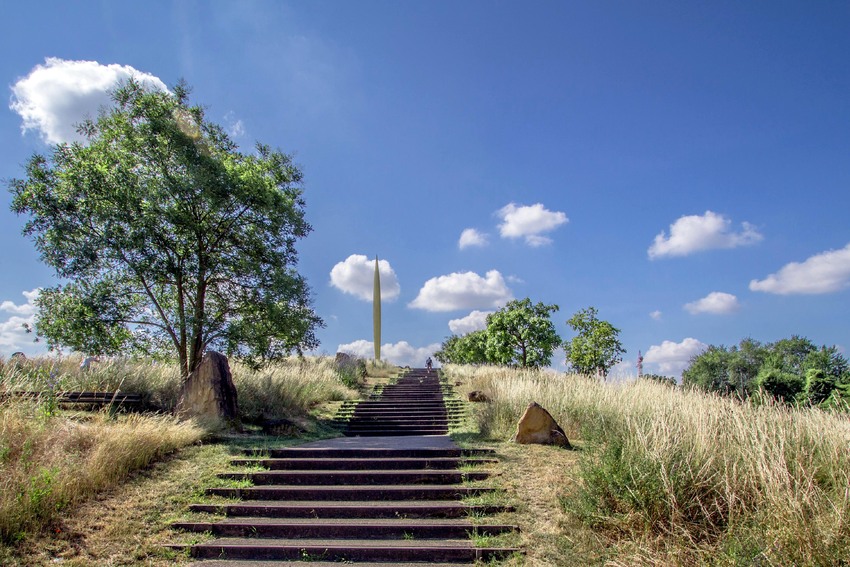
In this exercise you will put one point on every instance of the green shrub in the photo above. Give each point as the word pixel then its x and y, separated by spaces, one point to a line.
pixel 781 385
pixel 819 386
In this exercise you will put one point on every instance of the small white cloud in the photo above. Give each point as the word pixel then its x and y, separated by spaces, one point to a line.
pixel 656 315
pixel 27 308
pixel 235 127
pixel 57 96
pixel 716 302
pixel 13 336
pixel 471 237
pixel 465 290
pixel 693 233
pixel 529 222
pixel 826 272
pixel 672 358
pixel 515 280
pixel 401 353
pixel 356 275
pixel 475 321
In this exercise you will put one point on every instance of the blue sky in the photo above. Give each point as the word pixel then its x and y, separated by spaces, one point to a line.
pixel 682 166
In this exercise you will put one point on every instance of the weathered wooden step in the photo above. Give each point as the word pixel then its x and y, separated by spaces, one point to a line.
pixel 350 453
pixel 348 493
pixel 411 429
pixel 298 563
pixel 437 463
pixel 337 528
pixel 395 432
pixel 400 419
pixel 451 550
pixel 352 509
pixel 350 478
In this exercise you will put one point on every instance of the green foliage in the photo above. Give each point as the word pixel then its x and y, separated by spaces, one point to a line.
pixel 168 237
pixel 792 369
pixel 466 349
pixel 790 355
pixel 596 348
pixel 829 361
pixel 351 371
pixel 780 384
pixel 522 334
pixel 819 386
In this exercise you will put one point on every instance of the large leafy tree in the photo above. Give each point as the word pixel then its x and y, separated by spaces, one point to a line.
pixel 596 346
pixel 522 334
pixel 167 236
pixel 709 370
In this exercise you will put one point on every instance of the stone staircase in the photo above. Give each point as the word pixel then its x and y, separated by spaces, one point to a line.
pixel 414 405
pixel 395 491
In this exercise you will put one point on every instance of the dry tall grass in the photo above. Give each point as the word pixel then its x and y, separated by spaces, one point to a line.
pixel 692 478
pixel 50 462
pixel 293 385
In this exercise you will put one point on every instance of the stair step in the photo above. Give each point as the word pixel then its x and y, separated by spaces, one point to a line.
pixel 393 433
pixel 297 563
pixel 394 463
pixel 351 509
pixel 338 493
pixel 334 453
pixel 350 478
pixel 410 429
pixel 336 528
pixel 451 550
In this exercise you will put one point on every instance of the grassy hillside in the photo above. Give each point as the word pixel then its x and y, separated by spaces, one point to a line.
pixel 52 459
pixel 675 477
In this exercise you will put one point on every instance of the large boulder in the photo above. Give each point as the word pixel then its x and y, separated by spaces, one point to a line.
pixel 349 363
pixel 537 426
pixel 209 394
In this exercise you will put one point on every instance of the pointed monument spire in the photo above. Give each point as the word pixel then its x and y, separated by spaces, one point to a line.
pixel 376 311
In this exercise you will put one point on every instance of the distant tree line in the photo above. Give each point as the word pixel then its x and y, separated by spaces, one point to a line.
pixel 791 370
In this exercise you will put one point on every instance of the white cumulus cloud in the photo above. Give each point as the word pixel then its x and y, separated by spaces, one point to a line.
pixel 693 233
pixel 475 321
pixel 471 237
pixel 529 222
pixel 463 290
pixel 27 308
pixel 656 315
pixel 826 272
pixel 401 353
pixel 672 358
pixel 716 302
pixel 57 96
pixel 13 336
pixel 356 275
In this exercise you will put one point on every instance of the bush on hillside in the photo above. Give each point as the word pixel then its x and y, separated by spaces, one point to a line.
pixel 781 385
